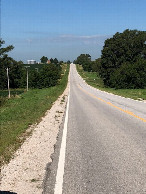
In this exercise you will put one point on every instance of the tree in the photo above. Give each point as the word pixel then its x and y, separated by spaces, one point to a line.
pixel 51 60
pixel 68 62
pixel 95 65
pixel 61 62
pixel 20 62
pixel 128 48
pixel 8 62
pixel 49 76
pixel 5 50
pixel 130 75
pixel 44 59
pixel 55 61
pixel 15 74
pixel 46 77
pixel 34 79
pixel 85 61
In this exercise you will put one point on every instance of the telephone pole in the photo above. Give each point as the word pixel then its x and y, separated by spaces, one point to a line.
pixel 8 82
pixel 27 76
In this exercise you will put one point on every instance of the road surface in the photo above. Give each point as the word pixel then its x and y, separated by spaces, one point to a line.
pixel 104 144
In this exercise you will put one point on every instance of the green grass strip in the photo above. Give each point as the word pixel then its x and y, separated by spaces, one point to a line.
pixel 23 110
pixel 94 80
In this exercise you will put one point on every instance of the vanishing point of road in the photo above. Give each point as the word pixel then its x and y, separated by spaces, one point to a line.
pixel 103 146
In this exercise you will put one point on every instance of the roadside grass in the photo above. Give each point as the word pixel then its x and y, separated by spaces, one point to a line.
pixel 94 80
pixel 23 110
pixel 14 92
pixel 4 94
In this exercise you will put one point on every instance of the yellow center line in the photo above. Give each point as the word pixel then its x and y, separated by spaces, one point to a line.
pixel 109 103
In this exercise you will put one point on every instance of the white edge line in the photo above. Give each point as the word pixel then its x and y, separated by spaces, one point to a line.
pixel 60 171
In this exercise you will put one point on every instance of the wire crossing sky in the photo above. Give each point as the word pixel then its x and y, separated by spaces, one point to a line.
pixel 66 28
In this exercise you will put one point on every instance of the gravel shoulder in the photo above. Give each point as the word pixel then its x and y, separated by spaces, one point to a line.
pixel 25 172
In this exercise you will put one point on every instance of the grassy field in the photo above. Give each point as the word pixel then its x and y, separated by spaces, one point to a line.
pixel 23 110
pixel 92 79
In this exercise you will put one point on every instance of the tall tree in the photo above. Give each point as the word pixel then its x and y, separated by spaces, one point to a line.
pixel 5 62
pixel 55 61
pixel 68 62
pixel 51 60
pixel 85 61
pixel 128 47
pixel 5 50
pixel 44 59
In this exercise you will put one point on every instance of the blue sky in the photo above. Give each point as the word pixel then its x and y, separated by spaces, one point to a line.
pixel 66 28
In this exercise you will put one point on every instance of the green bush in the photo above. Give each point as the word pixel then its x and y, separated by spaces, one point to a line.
pixel 130 75
pixel 49 76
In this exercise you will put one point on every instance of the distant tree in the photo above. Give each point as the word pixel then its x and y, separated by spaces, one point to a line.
pixel 85 61
pixel 44 59
pixel 95 65
pixel 75 61
pixel 55 61
pixel 68 62
pixel 20 62
pixel 61 62
pixel 121 52
pixel 49 76
pixel 46 77
pixel 51 60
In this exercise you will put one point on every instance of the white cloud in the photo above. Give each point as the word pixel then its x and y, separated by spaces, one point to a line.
pixel 93 39
pixel 70 39
pixel 82 37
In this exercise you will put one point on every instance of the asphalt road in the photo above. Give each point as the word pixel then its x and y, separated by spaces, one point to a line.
pixel 105 143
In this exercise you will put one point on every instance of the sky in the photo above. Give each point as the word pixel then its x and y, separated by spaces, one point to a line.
pixel 66 28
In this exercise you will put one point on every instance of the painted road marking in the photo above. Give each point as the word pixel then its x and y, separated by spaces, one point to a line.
pixel 61 163
pixel 109 103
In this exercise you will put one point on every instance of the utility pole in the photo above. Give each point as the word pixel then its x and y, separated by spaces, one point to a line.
pixel 8 82
pixel 27 76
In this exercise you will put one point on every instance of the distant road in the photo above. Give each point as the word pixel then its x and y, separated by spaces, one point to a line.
pixel 105 143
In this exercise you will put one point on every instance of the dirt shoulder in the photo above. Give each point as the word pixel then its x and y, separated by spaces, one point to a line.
pixel 25 172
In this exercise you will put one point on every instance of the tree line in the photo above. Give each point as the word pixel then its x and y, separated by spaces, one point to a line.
pixel 123 60
pixel 47 76
pixel 55 61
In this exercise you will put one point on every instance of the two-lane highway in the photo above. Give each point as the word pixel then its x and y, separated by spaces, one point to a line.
pixel 105 143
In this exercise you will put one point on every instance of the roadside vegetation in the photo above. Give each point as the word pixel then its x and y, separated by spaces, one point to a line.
pixel 26 108
pixel 122 67
pixel 23 110
pixel 93 79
